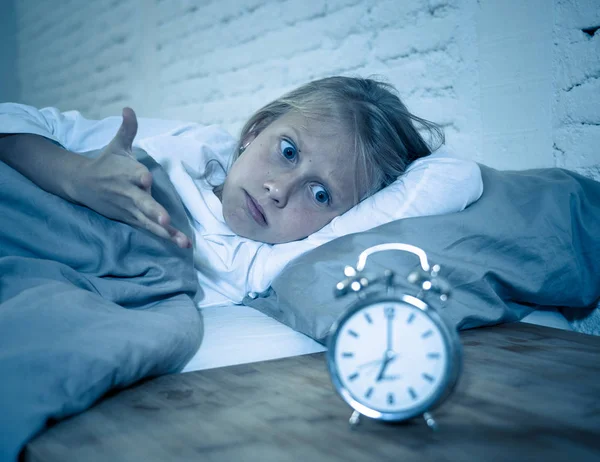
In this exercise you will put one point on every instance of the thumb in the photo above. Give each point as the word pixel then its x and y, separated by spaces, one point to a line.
pixel 123 140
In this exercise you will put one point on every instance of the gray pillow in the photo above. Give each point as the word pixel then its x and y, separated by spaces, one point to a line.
pixel 531 241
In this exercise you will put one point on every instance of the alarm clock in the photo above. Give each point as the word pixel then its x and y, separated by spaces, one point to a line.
pixel 391 356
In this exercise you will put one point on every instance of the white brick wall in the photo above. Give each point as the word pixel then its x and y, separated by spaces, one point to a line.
pixel 515 83
pixel 515 71
pixel 576 105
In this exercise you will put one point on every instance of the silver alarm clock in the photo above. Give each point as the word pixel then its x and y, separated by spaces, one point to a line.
pixel 391 356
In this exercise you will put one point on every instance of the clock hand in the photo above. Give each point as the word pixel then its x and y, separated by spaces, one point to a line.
pixel 389 357
pixel 390 316
pixel 370 363
pixel 382 370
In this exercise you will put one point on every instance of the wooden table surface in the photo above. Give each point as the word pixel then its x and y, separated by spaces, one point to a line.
pixel 527 393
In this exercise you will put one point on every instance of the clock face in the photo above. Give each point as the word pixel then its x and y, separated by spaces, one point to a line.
pixel 391 357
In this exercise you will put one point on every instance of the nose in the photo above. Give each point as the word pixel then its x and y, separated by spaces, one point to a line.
pixel 279 190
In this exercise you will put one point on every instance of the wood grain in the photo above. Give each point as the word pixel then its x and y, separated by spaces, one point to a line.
pixel 527 393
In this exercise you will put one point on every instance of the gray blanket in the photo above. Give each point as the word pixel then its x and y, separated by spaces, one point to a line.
pixel 87 305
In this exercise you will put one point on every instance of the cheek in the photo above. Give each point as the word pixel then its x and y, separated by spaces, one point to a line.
pixel 299 223
pixel 251 166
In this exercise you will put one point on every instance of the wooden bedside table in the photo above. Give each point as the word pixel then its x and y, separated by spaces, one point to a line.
pixel 527 393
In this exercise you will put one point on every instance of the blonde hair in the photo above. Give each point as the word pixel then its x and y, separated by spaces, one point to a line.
pixel 385 137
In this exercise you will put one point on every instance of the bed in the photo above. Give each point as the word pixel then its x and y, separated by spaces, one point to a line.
pixel 116 306
pixel 239 334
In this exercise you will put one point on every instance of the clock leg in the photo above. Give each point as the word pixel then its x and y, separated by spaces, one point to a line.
pixel 354 420
pixel 430 421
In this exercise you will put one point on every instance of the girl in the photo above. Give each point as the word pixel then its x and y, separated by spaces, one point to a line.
pixel 300 161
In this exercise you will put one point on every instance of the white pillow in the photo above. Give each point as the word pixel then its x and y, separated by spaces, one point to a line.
pixel 433 185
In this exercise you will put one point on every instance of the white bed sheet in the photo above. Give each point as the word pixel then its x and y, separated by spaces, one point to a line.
pixel 238 334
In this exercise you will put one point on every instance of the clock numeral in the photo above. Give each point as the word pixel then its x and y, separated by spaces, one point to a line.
pixel 368 318
pixel 427 377
pixel 354 334
pixel 353 377
pixel 347 355
pixel 426 334
pixel 412 393
pixel 433 355
pixel 390 398
pixel 369 392
pixel 411 318
pixel 389 312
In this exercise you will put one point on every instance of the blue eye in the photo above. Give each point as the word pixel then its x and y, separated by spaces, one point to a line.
pixel 288 150
pixel 321 194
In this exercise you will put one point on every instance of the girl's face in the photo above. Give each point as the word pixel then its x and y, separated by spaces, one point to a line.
pixel 292 179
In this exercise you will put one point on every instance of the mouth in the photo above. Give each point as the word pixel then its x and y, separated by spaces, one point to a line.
pixel 255 210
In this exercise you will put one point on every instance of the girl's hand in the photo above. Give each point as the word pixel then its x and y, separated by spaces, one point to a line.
pixel 118 186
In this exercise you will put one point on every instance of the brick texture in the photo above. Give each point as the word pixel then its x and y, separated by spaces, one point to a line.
pixel 512 91
pixel 576 106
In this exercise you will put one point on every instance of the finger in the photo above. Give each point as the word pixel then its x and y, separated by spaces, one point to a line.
pixel 154 212
pixel 123 140
pixel 178 238
pixel 145 203
pixel 144 222
pixel 139 175
pixel 129 126
pixel 145 181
